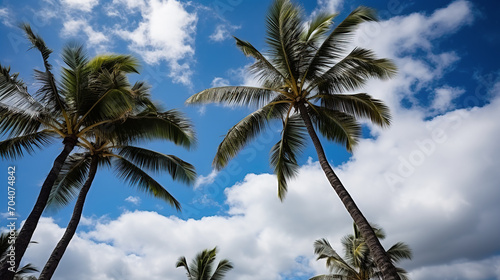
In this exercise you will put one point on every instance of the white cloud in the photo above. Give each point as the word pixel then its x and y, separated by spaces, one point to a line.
pixel 328 6
pixel 75 27
pixel 219 82
pixel 5 17
pixel 165 33
pixel 205 180
pixel 134 200
pixel 81 5
pixel 443 98
pixel 223 32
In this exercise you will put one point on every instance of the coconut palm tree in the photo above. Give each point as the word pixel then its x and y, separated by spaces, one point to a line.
pixel 357 263
pixel 129 163
pixel 21 273
pixel 90 94
pixel 201 267
pixel 303 76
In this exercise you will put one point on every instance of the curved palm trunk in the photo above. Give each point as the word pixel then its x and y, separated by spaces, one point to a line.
pixel 58 252
pixel 380 256
pixel 24 237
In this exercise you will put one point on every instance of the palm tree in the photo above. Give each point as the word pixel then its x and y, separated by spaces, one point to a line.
pixel 201 266
pixel 5 246
pixel 358 263
pixel 129 161
pixel 89 96
pixel 302 76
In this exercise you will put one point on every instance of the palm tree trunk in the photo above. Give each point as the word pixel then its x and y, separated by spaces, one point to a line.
pixel 380 256
pixel 58 252
pixel 24 237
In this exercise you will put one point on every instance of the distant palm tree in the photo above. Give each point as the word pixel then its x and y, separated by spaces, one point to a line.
pixel 201 267
pixel 88 96
pixel 357 263
pixel 303 77
pixel 110 149
pixel 21 273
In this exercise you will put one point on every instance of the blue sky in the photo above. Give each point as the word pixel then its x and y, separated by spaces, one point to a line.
pixel 430 180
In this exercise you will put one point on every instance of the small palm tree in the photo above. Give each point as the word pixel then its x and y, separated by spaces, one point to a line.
pixel 22 272
pixel 304 75
pixel 110 149
pixel 88 96
pixel 357 263
pixel 201 267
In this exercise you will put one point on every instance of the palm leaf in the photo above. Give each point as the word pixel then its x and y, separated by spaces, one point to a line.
pixel 334 261
pixel 157 162
pixel 234 96
pixel 182 262
pixel 334 45
pixel 17 122
pixel 14 148
pixel 359 105
pixel 132 174
pixel 70 180
pixel 262 69
pixel 222 268
pixel 170 125
pixel 283 37
pixel 284 153
pixel 75 79
pixel 399 251
pixel 352 72
pixel 336 126
pixel 245 131
pixel 317 28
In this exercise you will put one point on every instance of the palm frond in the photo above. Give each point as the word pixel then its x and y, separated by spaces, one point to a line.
pixel 283 157
pixel 399 251
pixel 245 131
pixel 132 174
pixel 334 45
pixel 283 37
pixel 329 277
pixel 48 92
pixel 114 62
pixel 15 92
pixel 359 105
pixel 14 148
pixel 75 79
pixel 15 122
pixel 336 126
pixel 182 262
pixel 170 125
pixel 222 268
pixel 317 28
pixel 234 96
pixel 157 162
pixel 70 180
pixel 334 261
pixel 262 69
pixel 352 72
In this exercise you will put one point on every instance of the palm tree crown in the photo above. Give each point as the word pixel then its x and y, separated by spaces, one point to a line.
pixel 303 76
pixel 357 263
pixel 202 266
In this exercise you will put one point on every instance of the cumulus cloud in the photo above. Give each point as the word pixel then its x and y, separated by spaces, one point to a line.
pixel 74 27
pixel 328 6
pixel 5 17
pixel 81 5
pixel 443 98
pixel 223 32
pixel 165 33
pixel 219 82
pixel 134 200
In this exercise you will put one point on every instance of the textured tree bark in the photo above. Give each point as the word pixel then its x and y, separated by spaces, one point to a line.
pixel 24 237
pixel 58 252
pixel 380 256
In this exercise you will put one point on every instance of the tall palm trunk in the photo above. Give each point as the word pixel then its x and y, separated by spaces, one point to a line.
pixel 24 237
pixel 380 256
pixel 58 252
